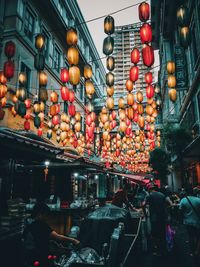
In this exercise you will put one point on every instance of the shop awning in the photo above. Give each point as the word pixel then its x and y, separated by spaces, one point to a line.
pixel 136 178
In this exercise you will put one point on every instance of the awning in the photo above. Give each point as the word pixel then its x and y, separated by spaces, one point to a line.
pixel 136 178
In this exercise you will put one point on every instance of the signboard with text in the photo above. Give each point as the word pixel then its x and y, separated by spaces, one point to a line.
pixel 181 68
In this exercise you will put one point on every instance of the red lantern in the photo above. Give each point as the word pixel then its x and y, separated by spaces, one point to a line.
pixel 135 56
pixel 64 93
pixel 9 69
pixel 72 110
pixel 148 55
pixel 88 120
pixel 27 125
pixel 54 97
pixel 9 49
pixel 149 91
pixel 71 96
pixel 148 77
pixel 64 75
pixel 39 132
pixel 134 72
pixel 146 33
pixel 55 120
pixel 143 10
pixel 27 103
pixel 136 116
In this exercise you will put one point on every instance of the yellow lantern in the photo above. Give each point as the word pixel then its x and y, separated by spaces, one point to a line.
pixel 42 78
pixel 121 102
pixel 39 41
pixel 122 114
pixel 89 87
pixel 63 126
pixel 73 56
pixel 77 126
pixel 78 116
pixel 122 126
pixel 171 81
pixel 172 94
pixel 87 72
pixel 104 117
pixel 110 102
pixel 171 67
pixel 71 37
pixel 74 75
pixel 22 78
pixel 139 96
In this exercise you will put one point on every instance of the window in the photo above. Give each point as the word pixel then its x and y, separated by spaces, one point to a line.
pixel 27 71
pixel 29 24
pixel 46 47
pixel 56 59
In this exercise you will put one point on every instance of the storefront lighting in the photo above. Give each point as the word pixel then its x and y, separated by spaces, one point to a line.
pixel 75 174
pixel 96 177
pixel 46 163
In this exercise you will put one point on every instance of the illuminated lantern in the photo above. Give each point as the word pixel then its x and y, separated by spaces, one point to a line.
pixel 110 90
pixel 172 95
pixel 3 79
pixel 9 69
pixel 185 36
pixel 22 78
pixel 108 45
pixel 71 37
pixel 89 107
pixel 78 116
pixel 146 33
pixel 139 96
pixel 122 126
pixel 42 107
pixel 3 101
pixel 64 93
pixel 71 96
pixel 149 91
pixel 104 118
pixel 93 116
pixel 36 107
pixel 9 49
pixel 13 111
pixel 77 126
pixel 182 16
pixel 140 109
pixel 39 41
pixel 149 110
pixel 143 11
pixel 110 79
pixel 64 75
pixel 134 72
pixel 37 121
pixel 129 85
pixel 114 115
pixel 74 75
pixel 109 25
pixel 135 56
pixel 54 97
pixel 130 113
pixel 88 120
pixel 171 67
pixel 122 114
pixel 171 81
pixel 27 125
pixel 148 77
pixel 110 63
pixel 89 87
pixel 39 132
pixel 72 110
pixel 43 94
pixel 42 78
pixel 148 55
pixel 56 120
pixel 27 102
pixel 121 102
pixel 110 102
pixel 3 90
pixel 141 122
pixel 73 55
pixel 21 94
pixel 87 72
pixel 130 99
pixel 157 88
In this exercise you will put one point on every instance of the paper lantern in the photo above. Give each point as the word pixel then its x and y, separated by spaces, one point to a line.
pixel 130 99
pixel 71 96
pixel 39 41
pixel 27 125
pixel 110 91
pixel 172 95
pixel 143 11
pixel 140 109
pixel 108 45
pixel 110 79
pixel 149 91
pixel 71 37
pixel 27 102
pixel 121 102
pixel 9 69
pixel 89 107
pixel 43 94
pixel 3 90
pixel 54 97
pixel 134 73
pixel 72 110
pixel 21 94
pixel 74 75
pixel 141 122
pixel 149 110
pixel 109 25
pixel 171 81
pixel 171 67
pixel 139 96
pixel 122 126
pixel 182 16
pixel 146 33
pixel 78 116
pixel 3 79
pixel 148 55
pixel 42 78
pixel 110 63
pixel 129 85
pixel 64 93
pixel 9 49
pixel 135 56
pixel 87 71
pixel 185 36
pixel 3 102
pixel 89 87
pixel 42 107
pixel 130 113
pixel 77 126
pixel 148 77
pixel 64 75
pixel 73 55
pixel 110 102
pixel 56 120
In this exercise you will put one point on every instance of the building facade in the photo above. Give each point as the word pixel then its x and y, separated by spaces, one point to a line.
pixel 21 21
pixel 185 112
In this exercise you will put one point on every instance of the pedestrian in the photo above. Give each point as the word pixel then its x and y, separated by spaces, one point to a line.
pixel 190 210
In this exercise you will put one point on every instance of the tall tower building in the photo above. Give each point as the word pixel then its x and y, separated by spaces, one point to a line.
pixel 126 38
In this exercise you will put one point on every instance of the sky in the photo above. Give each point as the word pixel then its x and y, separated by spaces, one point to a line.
pixel 95 8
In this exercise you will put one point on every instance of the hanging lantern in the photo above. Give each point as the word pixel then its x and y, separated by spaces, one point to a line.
pixel 139 96
pixel 3 90
pixel 39 61
pixel 73 55
pixel 87 71
pixel 108 45
pixel 109 25
pixel 122 126
pixel 71 96
pixel 89 107
pixel 39 42
pixel 56 120
pixel 54 97
pixel 110 102
pixel 141 122
pixel 37 121
pixel 148 55
pixel 27 125
pixel 171 81
pixel 149 110
pixel 140 109
pixel 182 16
pixel 110 90
pixel 129 85
pixel 71 37
pixel 130 99
pixel 3 102
pixel 172 95
pixel 185 36
pixel 121 102
pixel 9 49
pixel 110 63
pixel 74 75
pixel 64 93
pixel 110 79
pixel 9 69
pixel 148 77
pixel 130 113
pixel 3 79
pixel 149 91
pixel 134 73
pixel 64 75
pixel 27 102
pixel 36 107
pixel 171 67
pixel 146 33
pixel 135 56
pixel 72 110
pixel 77 126
pixel 21 94
pixel 22 79
pixel 43 94
pixel 42 107
pixel 78 116
pixel 42 78
pixel 143 11
pixel 89 87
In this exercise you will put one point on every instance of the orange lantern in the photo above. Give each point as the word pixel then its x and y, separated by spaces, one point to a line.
pixel 71 37
pixel 87 71
pixel 134 73
pixel 121 102
pixel 110 90
pixel 130 99
pixel 110 102
pixel 54 97
pixel 140 109
pixel 171 81
pixel 139 96
pixel 149 110
pixel 171 67
pixel 3 79
pixel 135 56
pixel 89 87
pixel 143 11
pixel 74 75
pixel 73 56
pixel 129 85
pixel 42 78
pixel 172 95
pixel 149 91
